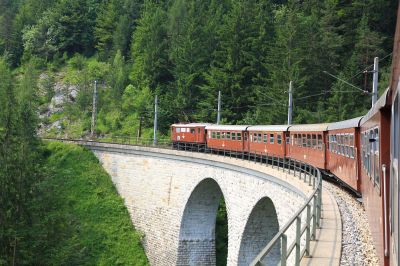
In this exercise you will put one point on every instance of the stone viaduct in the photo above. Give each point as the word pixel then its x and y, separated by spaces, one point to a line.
pixel 173 197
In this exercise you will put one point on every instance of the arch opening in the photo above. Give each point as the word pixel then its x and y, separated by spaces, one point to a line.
pixel 197 238
pixel 261 226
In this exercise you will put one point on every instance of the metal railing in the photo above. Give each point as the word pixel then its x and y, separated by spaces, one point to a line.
pixel 311 175
pixel 312 210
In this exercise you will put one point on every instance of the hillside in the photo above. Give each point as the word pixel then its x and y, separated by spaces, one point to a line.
pixel 186 51
pixel 80 219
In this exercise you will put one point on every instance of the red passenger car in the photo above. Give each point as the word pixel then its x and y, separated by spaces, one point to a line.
pixel 343 151
pixel 375 157
pixel 307 144
pixel 193 133
pixel 227 137
pixel 394 178
pixel 268 139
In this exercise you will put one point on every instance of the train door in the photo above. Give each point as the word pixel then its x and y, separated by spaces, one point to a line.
pixel 245 141
pixel 394 204
pixel 287 143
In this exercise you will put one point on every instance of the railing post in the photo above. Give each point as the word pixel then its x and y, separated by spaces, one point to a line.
pixel 298 229
pixel 319 199
pixel 301 169
pixel 315 177
pixel 283 250
pixel 308 230
pixel 290 162
pixel 314 219
pixel 294 167
pixel 278 162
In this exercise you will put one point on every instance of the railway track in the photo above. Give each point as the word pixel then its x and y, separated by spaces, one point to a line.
pixel 357 242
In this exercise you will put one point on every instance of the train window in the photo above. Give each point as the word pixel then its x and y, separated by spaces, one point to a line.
pixel 365 150
pixel 178 130
pixel 370 153
pixel 223 135
pixel 271 138
pixel 314 141
pixel 308 140
pixel 287 137
pixel 279 138
pixel 351 143
pixel 214 135
pixel 192 130
pixel 251 137
pixel 233 136
pixel 198 130
pixel 376 157
pixel 320 143
pixel 265 137
pixel 346 145
pixel 304 140
pixel 228 135
pixel 239 136
pixel 259 137
pixel 218 135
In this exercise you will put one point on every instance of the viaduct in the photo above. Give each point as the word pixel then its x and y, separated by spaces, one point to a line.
pixel 173 197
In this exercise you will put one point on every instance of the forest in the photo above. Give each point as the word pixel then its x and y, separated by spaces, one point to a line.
pixel 183 51
pixel 187 51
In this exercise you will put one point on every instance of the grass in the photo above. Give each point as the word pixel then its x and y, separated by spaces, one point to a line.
pixel 85 221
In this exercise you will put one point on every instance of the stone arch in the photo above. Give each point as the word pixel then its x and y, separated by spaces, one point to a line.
pixel 197 231
pixel 261 226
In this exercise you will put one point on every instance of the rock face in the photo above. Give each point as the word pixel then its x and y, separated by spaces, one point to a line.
pixel 61 94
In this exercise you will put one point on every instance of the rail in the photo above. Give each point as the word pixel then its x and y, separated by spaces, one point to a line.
pixel 309 174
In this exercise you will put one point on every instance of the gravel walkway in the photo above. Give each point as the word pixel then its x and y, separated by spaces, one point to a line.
pixel 357 247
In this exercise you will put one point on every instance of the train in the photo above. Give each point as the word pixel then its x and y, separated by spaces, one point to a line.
pixel 362 153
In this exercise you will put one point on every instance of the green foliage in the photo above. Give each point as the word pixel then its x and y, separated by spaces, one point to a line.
pixel 82 219
pixel 187 51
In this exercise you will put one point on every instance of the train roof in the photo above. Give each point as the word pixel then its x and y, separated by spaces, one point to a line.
pixel 190 125
pixel 351 123
pixel 380 103
pixel 227 127
pixel 309 127
pixel 268 128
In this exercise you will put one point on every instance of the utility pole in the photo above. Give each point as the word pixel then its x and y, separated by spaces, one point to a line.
pixel 93 128
pixel 219 108
pixel 155 120
pixel 290 106
pixel 375 81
